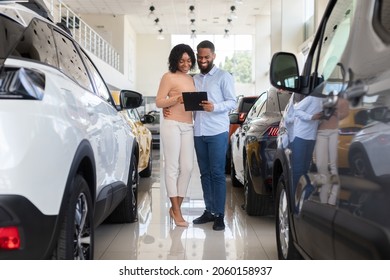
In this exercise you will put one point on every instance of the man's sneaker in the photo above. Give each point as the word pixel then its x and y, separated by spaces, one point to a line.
pixel 219 223
pixel 205 218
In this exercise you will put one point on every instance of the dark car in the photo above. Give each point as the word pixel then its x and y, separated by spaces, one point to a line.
pixel 253 147
pixel 350 59
pixel 154 127
pixel 244 104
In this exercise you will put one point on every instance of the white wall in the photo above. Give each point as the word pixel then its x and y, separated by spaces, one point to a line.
pixel 152 63
pixel 118 32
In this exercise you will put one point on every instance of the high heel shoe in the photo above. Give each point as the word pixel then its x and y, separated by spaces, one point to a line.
pixel 177 223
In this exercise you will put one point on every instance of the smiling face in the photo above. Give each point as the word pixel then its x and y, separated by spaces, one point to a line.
pixel 205 58
pixel 184 64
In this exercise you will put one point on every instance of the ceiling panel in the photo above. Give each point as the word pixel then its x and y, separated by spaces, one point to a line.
pixel 211 16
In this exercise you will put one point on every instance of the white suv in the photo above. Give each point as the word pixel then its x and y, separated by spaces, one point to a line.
pixel 68 159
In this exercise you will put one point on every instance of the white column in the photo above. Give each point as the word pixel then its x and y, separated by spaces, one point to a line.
pixel 287 25
pixel 262 50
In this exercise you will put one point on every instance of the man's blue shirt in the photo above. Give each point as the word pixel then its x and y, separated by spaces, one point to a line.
pixel 219 85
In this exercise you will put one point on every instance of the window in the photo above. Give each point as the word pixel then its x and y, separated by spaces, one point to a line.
pixel 334 40
pixel 263 107
pixel 253 112
pixel 101 86
pixel 37 43
pixel 381 20
pixel 133 115
pixel 71 62
pixel 234 54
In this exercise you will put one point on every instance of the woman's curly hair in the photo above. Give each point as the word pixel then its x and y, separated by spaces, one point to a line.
pixel 177 53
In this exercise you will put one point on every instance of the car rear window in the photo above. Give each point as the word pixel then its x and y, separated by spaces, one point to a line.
pixel 246 104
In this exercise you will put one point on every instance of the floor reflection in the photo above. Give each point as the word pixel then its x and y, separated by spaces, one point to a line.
pixel 153 237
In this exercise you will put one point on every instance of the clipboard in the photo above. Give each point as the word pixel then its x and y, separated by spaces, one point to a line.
pixel 193 99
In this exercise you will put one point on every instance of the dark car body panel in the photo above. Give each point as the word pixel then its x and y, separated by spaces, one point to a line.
pixel 356 224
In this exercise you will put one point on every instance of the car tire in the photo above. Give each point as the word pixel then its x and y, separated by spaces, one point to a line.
pixel 126 211
pixel 284 240
pixel 76 236
pixel 147 172
pixel 254 203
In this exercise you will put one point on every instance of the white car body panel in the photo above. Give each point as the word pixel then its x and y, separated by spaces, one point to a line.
pixel 237 148
pixel 55 128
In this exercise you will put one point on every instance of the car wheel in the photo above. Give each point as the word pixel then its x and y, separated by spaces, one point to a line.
pixel 147 172
pixel 360 164
pixel 126 211
pixel 255 204
pixel 76 237
pixel 284 240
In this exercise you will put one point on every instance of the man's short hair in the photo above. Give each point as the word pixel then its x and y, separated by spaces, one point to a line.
pixel 206 45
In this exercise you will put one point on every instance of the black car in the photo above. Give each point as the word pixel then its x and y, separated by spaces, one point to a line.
pixel 154 127
pixel 350 59
pixel 253 146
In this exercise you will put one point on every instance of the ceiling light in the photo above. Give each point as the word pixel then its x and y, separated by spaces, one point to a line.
pixel 151 12
pixel 160 36
pixel 226 34
pixel 156 23
pixel 192 13
pixel 193 34
pixel 192 23
pixel 229 22
pixel 232 12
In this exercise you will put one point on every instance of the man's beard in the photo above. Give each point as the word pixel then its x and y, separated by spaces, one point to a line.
pixel 207 69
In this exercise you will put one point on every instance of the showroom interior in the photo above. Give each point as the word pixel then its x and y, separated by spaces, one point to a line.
pixel 129 42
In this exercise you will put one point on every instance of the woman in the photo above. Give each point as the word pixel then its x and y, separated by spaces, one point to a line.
pixel 177 129
pixel 326 151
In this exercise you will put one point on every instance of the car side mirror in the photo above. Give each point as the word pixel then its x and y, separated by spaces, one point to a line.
pixel 284 71
pixel 147 119
pixel 130 99
pixel 234 118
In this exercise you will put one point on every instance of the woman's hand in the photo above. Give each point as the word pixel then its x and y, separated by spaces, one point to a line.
pixel 166 112
pixel 179 99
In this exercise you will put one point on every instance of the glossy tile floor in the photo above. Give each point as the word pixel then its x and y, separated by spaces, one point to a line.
pixel 153 237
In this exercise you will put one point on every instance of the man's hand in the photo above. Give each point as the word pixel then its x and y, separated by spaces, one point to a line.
pixel 208 106
pixel 317 116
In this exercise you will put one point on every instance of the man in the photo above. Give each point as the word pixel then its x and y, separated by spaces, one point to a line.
pixel 211 128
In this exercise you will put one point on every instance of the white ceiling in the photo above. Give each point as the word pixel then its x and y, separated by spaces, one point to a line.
pixel 211 16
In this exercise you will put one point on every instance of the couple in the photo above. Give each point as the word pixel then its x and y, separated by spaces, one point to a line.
pixel 206 130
